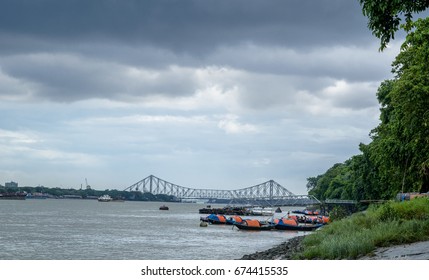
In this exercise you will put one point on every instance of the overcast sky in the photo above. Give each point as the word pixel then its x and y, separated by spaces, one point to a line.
pixel 205 94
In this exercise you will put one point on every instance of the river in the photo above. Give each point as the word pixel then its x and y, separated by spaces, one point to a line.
pixel 68 229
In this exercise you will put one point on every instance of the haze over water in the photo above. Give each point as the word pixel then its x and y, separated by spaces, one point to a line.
pixel 66 229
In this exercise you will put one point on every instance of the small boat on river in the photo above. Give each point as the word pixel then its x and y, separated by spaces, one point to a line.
pixel 216 219
pixel 225 211
pixel 291 224
pixel 105 198
pixel 307 219
pixel 234 219
pixel 164 207
pixel 254 225
pixel 306 212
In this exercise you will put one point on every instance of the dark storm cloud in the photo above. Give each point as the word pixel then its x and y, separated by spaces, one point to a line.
pixel 73 50
pixel 187 26
pixel 67 78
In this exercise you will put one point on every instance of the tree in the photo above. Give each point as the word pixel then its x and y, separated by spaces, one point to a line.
pixel 385 16
pixel 410 96
pixel 399 151
pixel 331 184
pixel 312 182
pixel 397 159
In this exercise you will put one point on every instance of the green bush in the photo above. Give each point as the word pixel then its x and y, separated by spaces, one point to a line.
pixel 384 225
pixel 387 212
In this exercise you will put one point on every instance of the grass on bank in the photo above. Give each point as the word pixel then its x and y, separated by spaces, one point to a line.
pixel 389 224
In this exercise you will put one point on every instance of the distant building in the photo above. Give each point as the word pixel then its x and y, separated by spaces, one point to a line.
pixel 11 185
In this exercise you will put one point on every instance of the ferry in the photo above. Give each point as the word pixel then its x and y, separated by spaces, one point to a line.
pixel 105 198
pixel 261 211
pixel 37 196
pixel 14 196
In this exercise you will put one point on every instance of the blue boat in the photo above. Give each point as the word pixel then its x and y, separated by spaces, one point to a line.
pixel 216 219
pixel 254 225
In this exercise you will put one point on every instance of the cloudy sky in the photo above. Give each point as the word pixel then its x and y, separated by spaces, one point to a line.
pixel 205 94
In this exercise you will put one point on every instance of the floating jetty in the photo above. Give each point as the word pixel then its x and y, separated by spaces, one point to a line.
pixel 242 211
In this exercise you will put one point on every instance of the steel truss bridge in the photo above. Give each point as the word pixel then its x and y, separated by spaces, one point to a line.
pixel 269 193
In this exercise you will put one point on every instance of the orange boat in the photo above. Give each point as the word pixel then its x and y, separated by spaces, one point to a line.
pixel 291 224
pixel 254 225
pixel 216 219
pixel 234 219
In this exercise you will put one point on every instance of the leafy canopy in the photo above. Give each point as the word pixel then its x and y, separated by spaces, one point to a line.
pixel 397 159
pixel 385 16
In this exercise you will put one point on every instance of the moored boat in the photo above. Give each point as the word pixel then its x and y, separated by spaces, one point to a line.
pixel 306 212
pixel 261 211
pixel 254 225
pixel 307 219
pixel 225 211
pixel 291 224
pixel 234 219
pixel 216 219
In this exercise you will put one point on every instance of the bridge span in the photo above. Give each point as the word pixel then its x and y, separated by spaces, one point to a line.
pixel 269 193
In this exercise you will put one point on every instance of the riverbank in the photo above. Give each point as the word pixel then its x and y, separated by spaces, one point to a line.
pixel 286 250
pixel 394 230
pixel 413 251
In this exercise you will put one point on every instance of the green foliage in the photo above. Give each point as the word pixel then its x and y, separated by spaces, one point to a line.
pixel 397 159
pixel 91 193
pixel 330 184
pixel 386 213
pixel 337 213
pixel 407 210
pixel 358 235
pixel 400 147
pixel 384 17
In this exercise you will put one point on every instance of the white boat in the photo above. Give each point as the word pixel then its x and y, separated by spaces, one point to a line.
pixel 105 198
pixel 262 211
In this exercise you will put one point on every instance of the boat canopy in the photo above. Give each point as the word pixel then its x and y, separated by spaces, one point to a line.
pixel 324 219
pixel 312 218
pixel 295 217
pixel 215 217
pixel 212 216
pixel 286 221
pixel 221 218
pixel 237 219
pixel 253 223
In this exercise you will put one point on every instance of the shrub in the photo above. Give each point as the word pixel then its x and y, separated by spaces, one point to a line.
pixel 388 224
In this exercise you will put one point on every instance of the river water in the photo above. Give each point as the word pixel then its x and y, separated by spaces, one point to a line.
pixel 67 229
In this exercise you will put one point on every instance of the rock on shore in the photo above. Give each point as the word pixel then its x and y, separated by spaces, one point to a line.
pixel 283 251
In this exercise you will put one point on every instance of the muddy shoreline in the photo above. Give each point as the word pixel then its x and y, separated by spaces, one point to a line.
pixel 285 251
